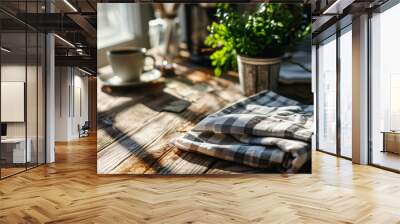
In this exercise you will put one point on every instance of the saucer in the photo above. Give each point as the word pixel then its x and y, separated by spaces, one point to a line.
pixel 146 77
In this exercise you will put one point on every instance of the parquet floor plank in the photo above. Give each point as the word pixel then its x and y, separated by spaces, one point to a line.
pixel 70 191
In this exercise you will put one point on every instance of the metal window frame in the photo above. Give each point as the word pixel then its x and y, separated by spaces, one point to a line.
pixel 338 33
pixel 317 75
pixel 381 9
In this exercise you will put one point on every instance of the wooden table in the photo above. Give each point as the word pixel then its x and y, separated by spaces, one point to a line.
pixel 391 141
pixel 134 134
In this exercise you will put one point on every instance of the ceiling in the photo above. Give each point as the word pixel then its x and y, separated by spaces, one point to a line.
pixel 74 22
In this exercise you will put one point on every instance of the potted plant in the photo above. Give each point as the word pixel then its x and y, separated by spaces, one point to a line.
pixel 255 42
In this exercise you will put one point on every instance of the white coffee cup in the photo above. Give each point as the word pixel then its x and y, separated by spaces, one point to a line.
pixel 128 63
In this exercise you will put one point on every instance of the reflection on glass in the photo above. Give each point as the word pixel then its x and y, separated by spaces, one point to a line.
pixel 385 88
pixel 22 91
pixel 346 93
pixel 327 96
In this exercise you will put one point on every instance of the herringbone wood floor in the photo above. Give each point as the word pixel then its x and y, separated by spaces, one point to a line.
pixel 69 191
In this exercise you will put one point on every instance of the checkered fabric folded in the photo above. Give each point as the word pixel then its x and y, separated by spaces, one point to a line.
pixel 266 131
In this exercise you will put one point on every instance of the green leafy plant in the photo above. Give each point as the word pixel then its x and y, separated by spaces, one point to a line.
pixel 266 32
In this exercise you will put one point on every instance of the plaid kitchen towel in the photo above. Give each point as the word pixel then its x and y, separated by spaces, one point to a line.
pixel 265 131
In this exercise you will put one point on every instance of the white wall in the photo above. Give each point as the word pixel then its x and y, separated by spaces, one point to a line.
pixel 79 93
pixel 33 125
pixel 14 72
pixel 82 82
pixel 70 83
pixel 61 103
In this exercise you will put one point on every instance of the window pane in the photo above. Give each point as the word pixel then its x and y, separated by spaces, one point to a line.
pixel 385 84
pixel 113 23
pixel 327 96
pixel 346 93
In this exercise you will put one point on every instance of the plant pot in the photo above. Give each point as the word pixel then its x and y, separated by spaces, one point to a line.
pixel 257 74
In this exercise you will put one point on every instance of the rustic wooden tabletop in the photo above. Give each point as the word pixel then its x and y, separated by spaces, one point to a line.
pixel 135 131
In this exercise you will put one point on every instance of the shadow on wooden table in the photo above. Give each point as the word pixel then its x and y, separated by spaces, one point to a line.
pixel 124 152
pixel 156 86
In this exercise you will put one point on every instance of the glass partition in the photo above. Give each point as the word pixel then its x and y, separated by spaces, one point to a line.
pixel 41 97
pixel 14 153
pixel 22 100
pixel 32 98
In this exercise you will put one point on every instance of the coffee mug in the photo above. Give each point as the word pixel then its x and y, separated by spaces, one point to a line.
pixel 128 64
